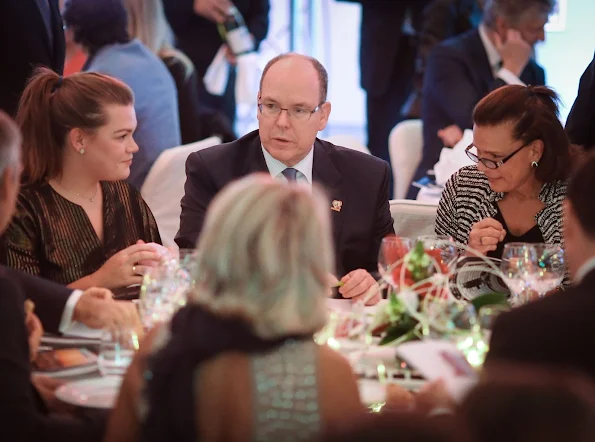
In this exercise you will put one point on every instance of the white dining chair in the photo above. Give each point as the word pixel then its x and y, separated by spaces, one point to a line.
pixel 413 218
pixel 405 144
pixel 349 142
pixel 164 187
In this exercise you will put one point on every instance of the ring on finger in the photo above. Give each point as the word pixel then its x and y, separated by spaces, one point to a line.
pixel 134 270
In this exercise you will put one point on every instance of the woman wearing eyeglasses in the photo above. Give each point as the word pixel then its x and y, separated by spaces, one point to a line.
pixel 515 191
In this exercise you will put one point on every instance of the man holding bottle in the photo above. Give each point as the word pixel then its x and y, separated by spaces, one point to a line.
pixel 195 26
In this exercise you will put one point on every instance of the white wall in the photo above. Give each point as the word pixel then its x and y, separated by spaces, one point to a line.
pixel 566 54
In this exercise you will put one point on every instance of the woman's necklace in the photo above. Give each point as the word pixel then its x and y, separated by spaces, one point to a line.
pixel 92 199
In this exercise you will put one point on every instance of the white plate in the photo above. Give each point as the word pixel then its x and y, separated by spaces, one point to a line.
pixel 91 393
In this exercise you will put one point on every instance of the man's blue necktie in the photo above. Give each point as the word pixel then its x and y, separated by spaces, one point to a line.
pixel 291 174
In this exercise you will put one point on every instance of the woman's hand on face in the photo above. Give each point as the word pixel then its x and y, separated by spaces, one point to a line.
pixel 486 234
pixel 122 269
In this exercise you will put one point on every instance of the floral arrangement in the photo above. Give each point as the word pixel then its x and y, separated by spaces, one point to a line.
pixel 421 301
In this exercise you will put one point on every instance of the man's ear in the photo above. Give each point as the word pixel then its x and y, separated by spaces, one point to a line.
pixel 325 111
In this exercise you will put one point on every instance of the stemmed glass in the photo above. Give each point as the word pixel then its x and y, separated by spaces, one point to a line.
pixel 550 268
pixel 392 250
pixel 449 251
pixel 518 265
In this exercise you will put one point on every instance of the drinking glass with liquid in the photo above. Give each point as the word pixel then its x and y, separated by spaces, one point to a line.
pixel 117 349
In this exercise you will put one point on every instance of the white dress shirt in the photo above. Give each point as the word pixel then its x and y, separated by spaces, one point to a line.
pixel 495 60
pixel 304 167
pixel 66 321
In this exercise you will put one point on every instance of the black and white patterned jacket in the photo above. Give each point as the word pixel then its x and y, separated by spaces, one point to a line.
pixel 467 199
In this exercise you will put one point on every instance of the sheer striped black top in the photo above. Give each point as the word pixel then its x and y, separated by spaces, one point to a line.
pixel 52 237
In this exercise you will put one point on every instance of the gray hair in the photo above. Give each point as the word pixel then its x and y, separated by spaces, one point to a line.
pixel 265 254
pixel 147 23
pixel 513 10
pixel 10 142
pixel 322 74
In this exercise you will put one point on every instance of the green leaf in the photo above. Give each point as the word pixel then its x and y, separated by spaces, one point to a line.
pixel 394 335
pixel 489 299
pixel 404 325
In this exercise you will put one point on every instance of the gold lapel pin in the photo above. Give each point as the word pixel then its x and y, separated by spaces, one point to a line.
pixel 336 205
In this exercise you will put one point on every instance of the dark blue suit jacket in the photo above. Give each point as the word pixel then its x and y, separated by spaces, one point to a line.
pixel 458 75
pixel 579 125
pixel 25 45
pixel 554 332
pixel 380 42
pixel 22 414
pixel 359 180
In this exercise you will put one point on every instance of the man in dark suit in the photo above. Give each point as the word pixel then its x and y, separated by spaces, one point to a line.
pixel 31 34
pixel 579 124
pixel 292 110
pixel 557 331
pixel 387 64
pixel 462 70
pixel 194 23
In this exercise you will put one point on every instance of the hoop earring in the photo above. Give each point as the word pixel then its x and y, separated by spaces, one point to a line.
pixel 534 164
pixel 82 151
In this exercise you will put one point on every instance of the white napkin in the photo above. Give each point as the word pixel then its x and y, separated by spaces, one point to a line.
pixel 453 159
pixel 440 360
pixel 247 78
pixel 217 74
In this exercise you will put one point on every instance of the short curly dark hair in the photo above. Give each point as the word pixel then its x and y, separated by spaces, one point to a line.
pixel 96 24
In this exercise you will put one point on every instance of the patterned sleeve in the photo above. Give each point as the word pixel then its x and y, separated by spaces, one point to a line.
pixel 149 223
pixel 19 248
pixel 446 217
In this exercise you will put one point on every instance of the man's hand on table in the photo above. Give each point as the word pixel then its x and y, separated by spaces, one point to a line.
pixel 96 308
pixel 359 285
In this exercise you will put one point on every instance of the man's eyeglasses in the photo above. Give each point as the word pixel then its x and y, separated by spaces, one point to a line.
pixel 295 113
pixel 491 164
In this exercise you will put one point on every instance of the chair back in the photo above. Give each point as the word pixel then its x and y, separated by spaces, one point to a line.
pixel 405 144
pixel 349 142
pixel 164 187
pixel 413 218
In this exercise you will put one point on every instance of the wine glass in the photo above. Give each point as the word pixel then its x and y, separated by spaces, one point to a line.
pixel 448 250
pixel 550 268
pixel 518 263
pixel 392 250
pixel 163 292
pixel 116 350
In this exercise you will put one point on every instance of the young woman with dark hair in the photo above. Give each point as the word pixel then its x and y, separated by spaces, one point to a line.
pixel 77 221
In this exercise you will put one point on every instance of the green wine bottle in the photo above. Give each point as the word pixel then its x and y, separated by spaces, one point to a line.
pixel 234 32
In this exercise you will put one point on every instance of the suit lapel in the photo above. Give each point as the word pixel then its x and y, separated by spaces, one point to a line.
pixel 41 27
pixel 480 59
pixel 254 157
pixel 58 51
pixel 326 174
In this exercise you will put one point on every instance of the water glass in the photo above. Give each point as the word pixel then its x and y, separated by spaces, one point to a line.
pixel 518 264
pixel 116 351
pixel 163 291
pixel 549 270
pixel 392 250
